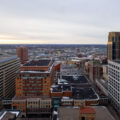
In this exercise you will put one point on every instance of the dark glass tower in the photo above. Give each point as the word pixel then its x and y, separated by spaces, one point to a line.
pixel 113 46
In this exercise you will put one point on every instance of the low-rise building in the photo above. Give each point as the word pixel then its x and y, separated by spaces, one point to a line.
pixel 28 105
pixel 82 113
pixel 19 104
pixel 87 95
pixel 66 101
pixel 75 95
pixel 61 91
pixel 68 69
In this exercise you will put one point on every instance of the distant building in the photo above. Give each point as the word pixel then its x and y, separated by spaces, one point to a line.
pixel 35 78
pixel 113 46
pixel 8 68
pixel 105 72
pixel 22 53
pixel 114 83
pixel 68 69
pixel 95 70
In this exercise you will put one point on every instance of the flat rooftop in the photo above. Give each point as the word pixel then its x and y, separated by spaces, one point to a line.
pixel 74 79
pixel 68 113
pixel 6 115
pixel 38 63
pixel 24 98
pixel 7 59
pixel 102 113
pixel 71 113
pixel 80 93
pixel 117 61
pixel 61 88
pixel 34 119
pixel 84 93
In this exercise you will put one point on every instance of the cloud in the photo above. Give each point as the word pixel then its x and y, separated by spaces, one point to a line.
pixel 58 21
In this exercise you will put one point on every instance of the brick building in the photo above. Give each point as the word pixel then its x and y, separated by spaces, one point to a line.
pixel 35 78
pixel 22 53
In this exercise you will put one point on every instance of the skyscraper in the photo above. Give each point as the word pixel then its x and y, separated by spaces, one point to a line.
pixel 22 53
pixel 8 68
pixel 114 83
pixel 113 46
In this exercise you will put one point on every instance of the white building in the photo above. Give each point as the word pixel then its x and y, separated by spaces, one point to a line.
pixel 68 69
pixel 114 83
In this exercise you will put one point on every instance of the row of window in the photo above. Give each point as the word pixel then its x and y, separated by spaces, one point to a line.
pixel 116 105
pixel 114 93
pixel 114 66
pixel 116 85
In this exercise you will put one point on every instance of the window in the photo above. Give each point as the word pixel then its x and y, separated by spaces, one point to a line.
pixel 83 118
pixel 14 107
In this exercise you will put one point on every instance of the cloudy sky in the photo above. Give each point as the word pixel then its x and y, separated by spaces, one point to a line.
pixel 58 21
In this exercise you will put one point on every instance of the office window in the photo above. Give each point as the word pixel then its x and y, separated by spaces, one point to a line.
pixel 83 118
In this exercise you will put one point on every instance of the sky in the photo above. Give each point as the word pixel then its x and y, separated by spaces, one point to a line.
pixel 58 21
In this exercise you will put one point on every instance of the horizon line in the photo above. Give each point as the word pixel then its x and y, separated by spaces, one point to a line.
pixel 50 44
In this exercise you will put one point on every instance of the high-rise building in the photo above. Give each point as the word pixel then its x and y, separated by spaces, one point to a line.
pixel 22 53
pixel 114 83
pixel 35 78
pixel 8 68
pixel 113 46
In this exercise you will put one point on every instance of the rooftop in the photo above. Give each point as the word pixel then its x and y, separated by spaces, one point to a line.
pixel 8 59
pixel 102 113
pixel 61 88
pixel 74 79
pixel 24 98
pixel 6 115
pixel 38 63
pixel 87 110
pixel 80 93
pixel 84 93
pixel 117 61
pixel 68 113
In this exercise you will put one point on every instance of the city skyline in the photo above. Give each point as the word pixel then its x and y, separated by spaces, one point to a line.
pixel 58 22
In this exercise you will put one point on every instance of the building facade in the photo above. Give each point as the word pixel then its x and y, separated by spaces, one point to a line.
pixel 34 105
pixel 8 68
pixel 22 53
pixel 35 78
pixel 95 70
pixel 114 83
pixel 113 46
pixel 105 72
pixel 68 69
